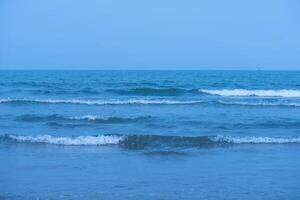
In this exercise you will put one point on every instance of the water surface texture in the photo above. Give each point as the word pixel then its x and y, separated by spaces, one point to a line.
pixel 150 135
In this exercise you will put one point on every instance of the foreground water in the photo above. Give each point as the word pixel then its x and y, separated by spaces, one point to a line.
pixel 149 135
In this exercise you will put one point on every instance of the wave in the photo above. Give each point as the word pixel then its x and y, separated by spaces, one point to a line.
pixel 62 91
pixel 147 91
pixel 256 140
pixel 102 102
pixel 59 140
pixel 85 118
pixel 260 103
pixel 100 119
pixel 151 102
pixel 282 123
pixel 136 142
pixel 65 125
pixel 258 93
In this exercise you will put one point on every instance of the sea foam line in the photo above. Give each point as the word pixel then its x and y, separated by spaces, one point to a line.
pixel 103 118
pixel 100 102
pixel 259 93
pixel 148 102
pixel 86 118
pixel 267 104
pixel 149 139
pixel 256 139
pixel 60 140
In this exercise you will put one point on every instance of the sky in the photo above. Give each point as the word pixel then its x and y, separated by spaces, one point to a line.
pixel 154 34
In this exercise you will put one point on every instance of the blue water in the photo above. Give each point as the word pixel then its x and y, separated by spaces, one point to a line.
pixel 150 135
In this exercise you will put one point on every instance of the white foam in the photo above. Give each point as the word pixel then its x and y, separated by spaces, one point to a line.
pixel 259 93
pixel 89 117
pixel 286 104
pixel 80 140
pixel 114 140
pixel 100 102
pixel 255 140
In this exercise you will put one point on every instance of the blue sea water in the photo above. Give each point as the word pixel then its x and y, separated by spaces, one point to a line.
pixel 150 135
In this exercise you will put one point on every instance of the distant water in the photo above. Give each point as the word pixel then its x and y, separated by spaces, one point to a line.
pixel 150 135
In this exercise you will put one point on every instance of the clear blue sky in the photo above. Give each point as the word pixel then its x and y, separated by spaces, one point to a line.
pixel 160 34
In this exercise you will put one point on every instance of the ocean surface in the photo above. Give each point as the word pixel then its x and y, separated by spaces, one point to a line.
pixel 147 135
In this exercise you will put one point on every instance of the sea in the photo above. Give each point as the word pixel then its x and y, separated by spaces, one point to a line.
pixel 150 135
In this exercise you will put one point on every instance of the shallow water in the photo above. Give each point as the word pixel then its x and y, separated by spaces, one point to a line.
pixel 149 135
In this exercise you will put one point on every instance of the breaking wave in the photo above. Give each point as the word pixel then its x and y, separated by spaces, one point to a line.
pixel 259 93
pixel 80 140
pixel 152 102
pixel 257 140
pixel 260 103
pixel 102 102
pixel 136 142
pixel 85 118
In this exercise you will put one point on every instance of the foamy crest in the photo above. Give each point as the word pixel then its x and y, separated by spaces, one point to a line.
pixel 255 140
pixel 80 140
pixel 89 118
pixel 100 102
pixel 259 93
pixel 240 103
pixel 150 141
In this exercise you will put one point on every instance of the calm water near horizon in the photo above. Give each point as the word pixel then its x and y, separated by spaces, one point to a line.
pixel 136 135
